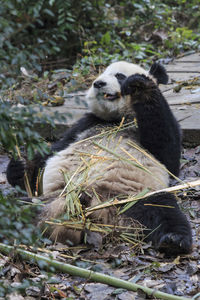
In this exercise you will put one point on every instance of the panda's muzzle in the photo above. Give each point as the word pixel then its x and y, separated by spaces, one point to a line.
pixel 111 97
pixel 106 96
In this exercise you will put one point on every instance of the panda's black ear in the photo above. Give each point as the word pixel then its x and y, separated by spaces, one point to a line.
pixel 159 72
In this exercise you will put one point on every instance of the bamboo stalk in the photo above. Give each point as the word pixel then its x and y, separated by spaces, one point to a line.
pixel 120 202
pixel 26 180
pixel 122 158
pixel 136 146
pixel 89 275
pixel 107 132
pixel 93 226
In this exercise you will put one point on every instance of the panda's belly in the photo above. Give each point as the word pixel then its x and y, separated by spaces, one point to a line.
pixel 105 166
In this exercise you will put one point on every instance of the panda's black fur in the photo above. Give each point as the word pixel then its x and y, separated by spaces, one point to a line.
pixel 123 90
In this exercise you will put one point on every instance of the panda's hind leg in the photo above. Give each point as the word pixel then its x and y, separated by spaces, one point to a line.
pixel 167 227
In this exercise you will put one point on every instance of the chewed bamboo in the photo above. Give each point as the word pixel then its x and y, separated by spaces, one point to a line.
pixel 172 189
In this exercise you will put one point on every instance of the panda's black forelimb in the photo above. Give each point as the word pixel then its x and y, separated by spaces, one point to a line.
pixel 17 168
pixel 158 129
pixel 167 226
pixel 15 172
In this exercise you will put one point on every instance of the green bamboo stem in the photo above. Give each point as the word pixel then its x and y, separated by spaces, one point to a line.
pixel 90 275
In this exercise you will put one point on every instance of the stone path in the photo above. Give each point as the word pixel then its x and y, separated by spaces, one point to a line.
pixel 185 103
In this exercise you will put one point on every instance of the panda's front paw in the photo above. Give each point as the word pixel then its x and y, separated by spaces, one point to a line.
pixel 15 172
pixel 173 244
pixel 136 84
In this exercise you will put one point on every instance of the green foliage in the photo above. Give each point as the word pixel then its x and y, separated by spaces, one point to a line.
pixel 6 289
pixel 38 31
pixel 143 31
pixel 182 39
pixel 16 223
pixel 44 34
pixel 17 128
pixel 18 228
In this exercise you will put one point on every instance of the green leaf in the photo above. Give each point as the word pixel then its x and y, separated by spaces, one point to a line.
pixel 106 38
pixel 49 12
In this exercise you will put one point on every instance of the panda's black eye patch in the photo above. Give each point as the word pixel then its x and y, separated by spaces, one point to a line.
pixel 120 77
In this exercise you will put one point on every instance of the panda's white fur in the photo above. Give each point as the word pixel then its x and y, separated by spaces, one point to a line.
pixel 108 175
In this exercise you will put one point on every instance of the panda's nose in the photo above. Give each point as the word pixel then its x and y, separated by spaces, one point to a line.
pixel 99 84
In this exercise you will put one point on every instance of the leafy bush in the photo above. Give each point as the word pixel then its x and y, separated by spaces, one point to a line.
pixel 17 228
pixel 35 32
pixel 142 31
pixel 49 34
pixel 17 128
pixel 16 222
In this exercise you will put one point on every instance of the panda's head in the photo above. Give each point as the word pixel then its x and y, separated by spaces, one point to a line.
pixel 104 97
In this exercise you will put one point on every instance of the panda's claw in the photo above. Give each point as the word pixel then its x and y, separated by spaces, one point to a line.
pixel 136 83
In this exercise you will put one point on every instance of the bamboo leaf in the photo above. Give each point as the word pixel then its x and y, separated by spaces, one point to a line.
pixel 129 205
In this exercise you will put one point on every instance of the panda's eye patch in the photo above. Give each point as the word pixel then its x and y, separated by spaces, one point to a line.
pixel 120 77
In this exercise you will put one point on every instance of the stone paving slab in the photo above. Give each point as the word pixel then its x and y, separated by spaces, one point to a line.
pixel 187 67
pixel 184 97
pixel 185 104
pixel 181 76
pixel 194 57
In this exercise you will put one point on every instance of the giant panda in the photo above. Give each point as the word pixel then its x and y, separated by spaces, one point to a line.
pixel 150 148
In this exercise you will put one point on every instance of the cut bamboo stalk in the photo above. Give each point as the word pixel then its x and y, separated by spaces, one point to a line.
pixel 120 202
